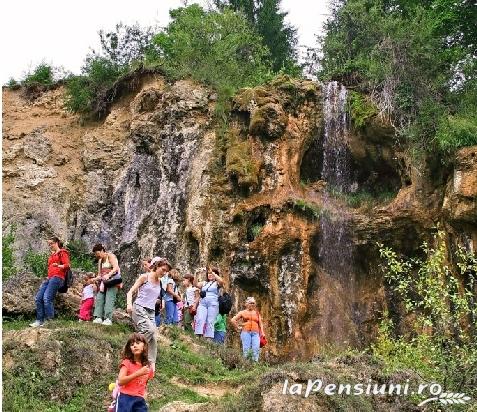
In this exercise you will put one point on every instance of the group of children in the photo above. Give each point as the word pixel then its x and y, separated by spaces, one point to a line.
pixel 174 306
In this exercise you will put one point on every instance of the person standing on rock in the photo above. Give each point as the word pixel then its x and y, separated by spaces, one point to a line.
pixel 109 276
pixel 58 264
pixel 209 303
pixel 148 287
pixel 251 329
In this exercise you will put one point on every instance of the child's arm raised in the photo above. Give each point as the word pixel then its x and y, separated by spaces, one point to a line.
pixel 124 378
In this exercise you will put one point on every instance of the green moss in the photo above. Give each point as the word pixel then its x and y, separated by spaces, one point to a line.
pixel 361 109
pixel 309 210
pixel 239 162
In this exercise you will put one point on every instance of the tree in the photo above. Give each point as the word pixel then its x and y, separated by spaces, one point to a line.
pixel 218 48
pixel 415 59
pixel 280 37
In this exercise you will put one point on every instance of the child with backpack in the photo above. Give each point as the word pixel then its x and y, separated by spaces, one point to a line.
pixel 87 298
pixel 191 300
pixel 220 328
pixel 134 373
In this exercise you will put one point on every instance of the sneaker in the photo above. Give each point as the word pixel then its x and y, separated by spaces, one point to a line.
pixel 80 320
pixel 98 320
pixel 107 322
pixel 36 324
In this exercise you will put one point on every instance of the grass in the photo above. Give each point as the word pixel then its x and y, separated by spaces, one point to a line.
pixel 363 198
pixel 34 385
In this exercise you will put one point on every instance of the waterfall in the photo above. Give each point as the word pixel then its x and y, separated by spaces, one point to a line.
pixel 335 246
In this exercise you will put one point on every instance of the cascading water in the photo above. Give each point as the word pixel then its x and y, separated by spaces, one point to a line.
pixel 335 247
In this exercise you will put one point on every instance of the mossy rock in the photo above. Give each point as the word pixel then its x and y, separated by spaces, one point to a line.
pixel 269 121
pixel 260 96
pixel 240 163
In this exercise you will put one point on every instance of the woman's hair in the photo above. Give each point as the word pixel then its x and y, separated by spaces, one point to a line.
pixel 98 247
pixel 57 240
pixel 214 269
pixel 127 353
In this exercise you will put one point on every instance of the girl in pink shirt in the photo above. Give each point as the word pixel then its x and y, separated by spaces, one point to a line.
pixel 135 371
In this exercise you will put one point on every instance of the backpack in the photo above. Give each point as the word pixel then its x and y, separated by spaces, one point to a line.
pixel 225 303
pixel 69 278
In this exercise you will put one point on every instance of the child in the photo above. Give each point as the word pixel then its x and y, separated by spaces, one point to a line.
pixel 220 329
pixel 87 299
pixel 191 299
pixel 135 371
pixel 171 297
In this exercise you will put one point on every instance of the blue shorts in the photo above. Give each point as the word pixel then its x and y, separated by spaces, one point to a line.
pixel 129 403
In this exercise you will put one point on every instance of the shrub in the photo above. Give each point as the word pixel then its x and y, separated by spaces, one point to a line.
pixel 99 74
pixel 80 256
pixel 218 48
pixel 442 347
pixel 456 131
pixel 41 75
pixel 361 109
pixel 8 260
pixel 431 288
pixel 13 84
pixel 37 262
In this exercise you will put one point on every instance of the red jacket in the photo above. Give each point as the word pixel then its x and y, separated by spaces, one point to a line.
pixel 61 258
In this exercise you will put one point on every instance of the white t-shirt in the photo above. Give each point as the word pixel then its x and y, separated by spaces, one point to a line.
pixel 88 292
pixel 189 296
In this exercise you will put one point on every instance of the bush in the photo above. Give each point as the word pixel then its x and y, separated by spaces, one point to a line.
pixel 13 84
pixel 41 75
pixel 442 347
pixel 361 109
pixel 8 260
pixel 80 256
pixel 455 132
pixel 37 262
pixel 220 49
pixel 99 74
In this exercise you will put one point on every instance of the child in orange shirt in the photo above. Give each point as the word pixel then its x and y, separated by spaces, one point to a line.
pixel 134 373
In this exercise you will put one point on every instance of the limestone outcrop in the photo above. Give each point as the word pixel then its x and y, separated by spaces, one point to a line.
pixel 157 177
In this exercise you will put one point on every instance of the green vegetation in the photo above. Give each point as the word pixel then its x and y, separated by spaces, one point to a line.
pixel 269 22
pixel 362 198
pixel 309 210
pixel 37 262
pixel 416 60
pixel 8 260
pixel 239 162
pixel 256 229
pixel 13 84
pixel 220 49
pixel 361 109
pixel 80 256
pixel 42 75
pixel 440 298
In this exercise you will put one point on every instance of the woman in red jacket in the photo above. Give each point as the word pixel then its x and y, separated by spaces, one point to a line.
pixel 58 264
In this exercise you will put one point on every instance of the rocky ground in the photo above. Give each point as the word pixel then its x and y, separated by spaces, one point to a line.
pixel 67 366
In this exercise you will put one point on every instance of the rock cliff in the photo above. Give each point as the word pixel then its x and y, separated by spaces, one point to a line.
pixel 157 176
